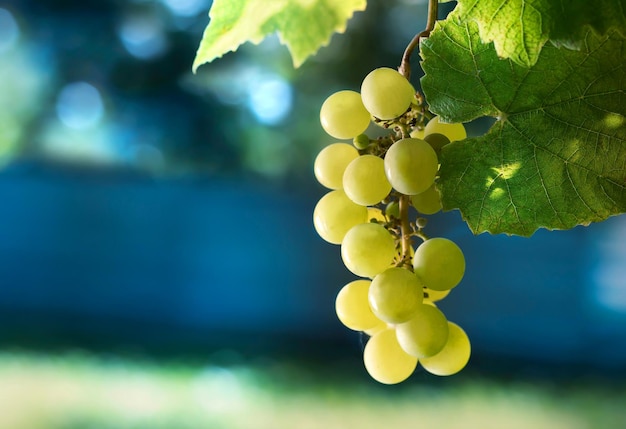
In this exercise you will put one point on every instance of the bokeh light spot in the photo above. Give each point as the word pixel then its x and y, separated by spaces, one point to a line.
pixel 143 37
pixel 9 30
pixel 270 100
pixel 79 105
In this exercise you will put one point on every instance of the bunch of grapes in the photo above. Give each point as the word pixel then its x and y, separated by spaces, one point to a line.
pixel 376 186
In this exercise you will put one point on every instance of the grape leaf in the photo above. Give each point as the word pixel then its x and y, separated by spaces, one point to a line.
pixel 556 156
pixel 520 28
pixel 303 25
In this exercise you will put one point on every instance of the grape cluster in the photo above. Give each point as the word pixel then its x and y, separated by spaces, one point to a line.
pixel 376 185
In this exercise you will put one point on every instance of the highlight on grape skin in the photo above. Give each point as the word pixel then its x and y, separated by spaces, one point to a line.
pixel 343 115
pixel 335 214
pixel 386 93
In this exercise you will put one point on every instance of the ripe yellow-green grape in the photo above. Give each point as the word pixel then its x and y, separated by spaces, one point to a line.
pixel 411 166
pixel 343 115
pixel 331 162
pixel 364 180
pixel 386 93
pixel 454 355
pixel 353 308
pixel 335 214
pixel 427 202
pixel 425 334
pixel 453 132
pixel 384 359
pixel 367 249
pixel 439 263
pixel 395 295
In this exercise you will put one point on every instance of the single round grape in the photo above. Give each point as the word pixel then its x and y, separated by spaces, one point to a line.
pixel 353 308
pixel 453 132
pixel 395 295
pixel 331 162
pixel 361 141
pixel 425 334
pixel 393 210
pixel 454 355
pixel 436 141
pixel 364 180
pixel 386 93
pixel 439 263
pixel 367 249
pixel 384 359
pixel 427 202
pixel 343 115
pixel 411 166
pixel 335 214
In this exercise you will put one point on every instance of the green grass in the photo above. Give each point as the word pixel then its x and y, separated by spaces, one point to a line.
pixel 78 391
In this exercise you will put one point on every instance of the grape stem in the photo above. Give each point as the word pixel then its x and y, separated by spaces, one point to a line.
pixel 405 65
pixel 405 230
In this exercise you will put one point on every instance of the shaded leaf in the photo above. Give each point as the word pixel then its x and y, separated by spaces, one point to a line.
pixel 556 156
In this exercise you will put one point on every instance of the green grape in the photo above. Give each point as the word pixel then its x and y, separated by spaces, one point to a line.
pixel 364 180
pixel 384 359
pixel 386 93
pixel 395 295
pixel 353 308
pixel 331 162
pixel 335 214
pixel 393 210
pixel 427 202
pixel 362 141
pixel 453 132
pixel 425 334
pixel 435 295
pixel 439 263
pixel 343 115
pixel 368 249
pixel 454 355
pixel 411 166
pixel 436 141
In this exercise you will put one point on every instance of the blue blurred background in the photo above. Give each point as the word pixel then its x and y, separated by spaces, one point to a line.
pixel 147 211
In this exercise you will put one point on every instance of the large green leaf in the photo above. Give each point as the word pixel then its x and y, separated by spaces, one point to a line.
pixel 556 156
pixel 520 28
pixel 303 25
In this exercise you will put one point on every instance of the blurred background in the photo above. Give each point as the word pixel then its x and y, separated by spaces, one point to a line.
pixel 159 267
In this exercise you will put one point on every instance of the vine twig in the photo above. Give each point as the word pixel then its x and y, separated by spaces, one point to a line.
pixel 405 65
